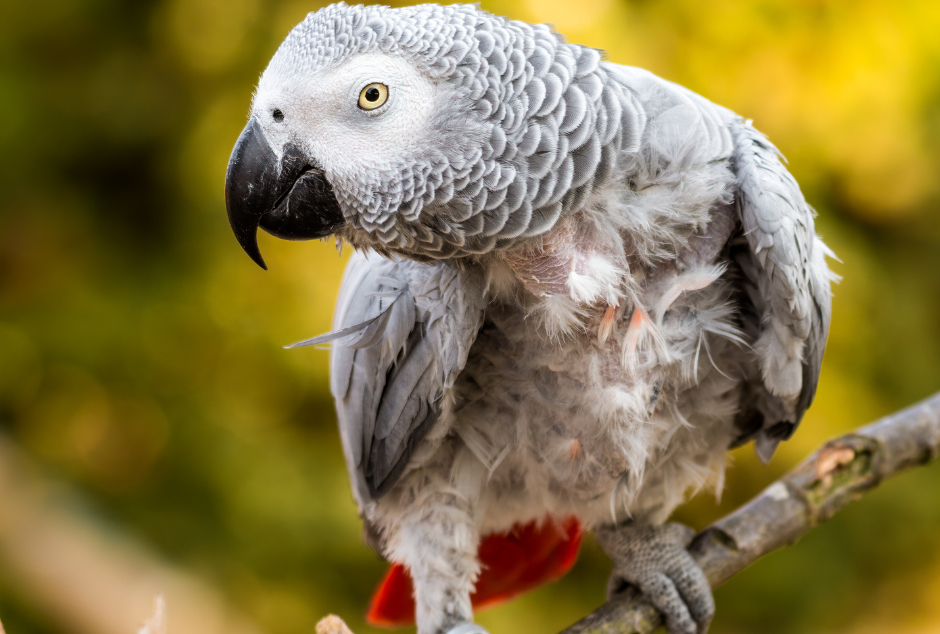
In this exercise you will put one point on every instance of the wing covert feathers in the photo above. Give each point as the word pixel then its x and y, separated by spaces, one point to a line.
pixel 790 284
pixel 402 334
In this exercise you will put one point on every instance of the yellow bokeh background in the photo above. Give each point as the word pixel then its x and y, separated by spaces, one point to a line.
pixel 145 398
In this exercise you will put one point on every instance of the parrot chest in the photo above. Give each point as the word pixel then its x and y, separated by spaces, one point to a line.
pixel 553 413
pixel 626 405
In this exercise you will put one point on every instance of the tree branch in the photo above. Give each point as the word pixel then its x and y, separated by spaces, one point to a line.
pixel 814 491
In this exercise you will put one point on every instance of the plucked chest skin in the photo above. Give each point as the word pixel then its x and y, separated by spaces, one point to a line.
pixel 575 286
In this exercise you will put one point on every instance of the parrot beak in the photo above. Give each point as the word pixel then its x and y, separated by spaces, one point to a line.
pixel 291 199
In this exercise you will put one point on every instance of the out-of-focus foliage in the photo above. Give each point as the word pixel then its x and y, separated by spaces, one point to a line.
pixel 140 353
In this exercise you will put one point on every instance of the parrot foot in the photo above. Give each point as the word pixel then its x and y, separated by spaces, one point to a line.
pixel 466 628
pixel 654 560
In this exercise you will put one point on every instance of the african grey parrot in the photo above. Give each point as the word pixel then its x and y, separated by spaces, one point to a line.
pixel 576 285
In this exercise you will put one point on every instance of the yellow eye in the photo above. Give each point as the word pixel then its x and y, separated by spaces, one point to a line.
pixel 373 96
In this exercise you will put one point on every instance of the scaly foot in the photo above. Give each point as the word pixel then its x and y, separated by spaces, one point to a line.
pixel 654 559
pixel 466 628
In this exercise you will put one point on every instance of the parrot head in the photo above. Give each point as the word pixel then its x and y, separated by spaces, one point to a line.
pixel 426 131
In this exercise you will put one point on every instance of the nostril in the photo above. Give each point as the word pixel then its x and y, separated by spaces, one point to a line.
pixel 278 115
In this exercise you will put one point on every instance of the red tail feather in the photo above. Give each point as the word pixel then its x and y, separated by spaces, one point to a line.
pixel 513 563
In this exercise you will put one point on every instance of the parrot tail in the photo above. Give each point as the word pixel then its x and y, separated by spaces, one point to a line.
pixel 512 563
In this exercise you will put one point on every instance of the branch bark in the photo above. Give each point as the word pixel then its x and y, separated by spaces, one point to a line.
pixel 839 472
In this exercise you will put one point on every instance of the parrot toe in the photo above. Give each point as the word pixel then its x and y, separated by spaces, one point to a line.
pixel 467 628
pixel 654 560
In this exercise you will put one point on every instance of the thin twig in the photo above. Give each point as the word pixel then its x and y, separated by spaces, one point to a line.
pixel 814 491
pixel 332 624
pixel 157 622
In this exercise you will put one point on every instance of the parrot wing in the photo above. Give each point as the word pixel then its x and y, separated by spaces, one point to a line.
pixel 788 283
pixel 786 304
pixel 403 332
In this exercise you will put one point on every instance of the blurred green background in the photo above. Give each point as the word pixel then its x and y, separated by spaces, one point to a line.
pixel 140 349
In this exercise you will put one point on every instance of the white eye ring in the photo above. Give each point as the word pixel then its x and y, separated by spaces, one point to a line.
pixel 373 96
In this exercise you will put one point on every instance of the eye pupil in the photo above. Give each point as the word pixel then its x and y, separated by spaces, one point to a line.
pixel 278 115
pixel 373 96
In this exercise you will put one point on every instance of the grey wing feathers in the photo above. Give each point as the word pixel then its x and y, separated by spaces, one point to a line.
pixel 789 281
pixel 390 378
pixel 786 308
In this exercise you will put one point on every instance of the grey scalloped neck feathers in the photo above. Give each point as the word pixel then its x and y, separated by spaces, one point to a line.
pixel 535 127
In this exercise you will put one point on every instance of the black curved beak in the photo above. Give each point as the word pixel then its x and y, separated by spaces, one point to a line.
pixel 290 199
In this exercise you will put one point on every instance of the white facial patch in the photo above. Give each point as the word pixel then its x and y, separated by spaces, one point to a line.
pixel 322 114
